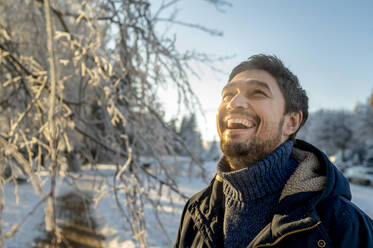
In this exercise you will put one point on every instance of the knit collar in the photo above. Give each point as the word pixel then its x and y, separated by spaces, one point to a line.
pixel 263 178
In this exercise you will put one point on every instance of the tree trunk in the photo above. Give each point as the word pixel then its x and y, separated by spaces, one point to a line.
pixel 50 219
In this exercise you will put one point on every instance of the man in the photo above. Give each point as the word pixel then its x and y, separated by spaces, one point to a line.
pixel 271 190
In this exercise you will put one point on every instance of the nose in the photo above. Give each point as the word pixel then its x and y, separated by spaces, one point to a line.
pixel 238 101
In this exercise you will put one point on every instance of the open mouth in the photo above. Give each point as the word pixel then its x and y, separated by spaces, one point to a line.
pixel 239 124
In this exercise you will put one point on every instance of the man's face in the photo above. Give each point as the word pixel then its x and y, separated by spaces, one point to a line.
pixel 250 118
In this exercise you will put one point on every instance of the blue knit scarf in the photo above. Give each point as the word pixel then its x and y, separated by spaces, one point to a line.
pixel 251 194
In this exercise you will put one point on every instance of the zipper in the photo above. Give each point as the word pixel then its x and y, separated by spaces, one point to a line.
pixel 287 234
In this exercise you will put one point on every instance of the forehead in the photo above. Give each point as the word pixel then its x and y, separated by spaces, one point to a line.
pixel 254 77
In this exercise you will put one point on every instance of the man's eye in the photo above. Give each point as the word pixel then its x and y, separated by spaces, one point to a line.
pixel 259 92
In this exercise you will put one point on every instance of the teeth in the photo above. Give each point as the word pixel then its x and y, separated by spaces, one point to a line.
pixel 244 122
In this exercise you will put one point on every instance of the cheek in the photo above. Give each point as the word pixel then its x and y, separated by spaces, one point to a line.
pixel 268 120
pixel 219 120
pixel 271 122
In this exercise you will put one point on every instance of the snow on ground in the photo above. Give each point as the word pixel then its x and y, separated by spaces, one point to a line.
pixel 14 211
pixel 107 213
pixel 362 196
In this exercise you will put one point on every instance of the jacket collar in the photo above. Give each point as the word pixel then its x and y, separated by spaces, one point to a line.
pixel 314 180
pixel 296 208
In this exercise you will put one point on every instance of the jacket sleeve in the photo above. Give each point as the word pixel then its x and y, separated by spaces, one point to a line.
pixel 350 226
pixel 182 223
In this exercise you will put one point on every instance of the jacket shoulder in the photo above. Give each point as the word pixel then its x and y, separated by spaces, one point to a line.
pixel 187 233
pixel 346 224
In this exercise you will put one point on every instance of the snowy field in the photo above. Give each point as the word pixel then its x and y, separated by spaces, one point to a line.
pixel 107 216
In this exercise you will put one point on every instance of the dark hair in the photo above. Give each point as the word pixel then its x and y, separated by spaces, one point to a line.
pixel 296 99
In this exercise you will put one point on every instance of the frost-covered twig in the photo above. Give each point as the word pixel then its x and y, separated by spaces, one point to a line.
pixel 112 60
pixel 50 216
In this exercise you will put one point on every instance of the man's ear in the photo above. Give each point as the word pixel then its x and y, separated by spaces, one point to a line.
pixel 292 122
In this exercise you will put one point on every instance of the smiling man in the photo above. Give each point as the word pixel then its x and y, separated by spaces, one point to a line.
pixel 271 190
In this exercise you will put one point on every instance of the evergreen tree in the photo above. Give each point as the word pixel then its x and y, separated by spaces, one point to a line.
pixel 214 152
pixel 191 137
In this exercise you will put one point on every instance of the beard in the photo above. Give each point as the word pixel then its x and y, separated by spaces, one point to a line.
pixel 242 155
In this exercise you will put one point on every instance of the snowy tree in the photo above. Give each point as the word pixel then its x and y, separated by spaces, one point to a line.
pixel 331 130
pixel 364 119
pixel 192 137
pixel 368 158
pixel 364 131
pixel 214 152
pixel 82 78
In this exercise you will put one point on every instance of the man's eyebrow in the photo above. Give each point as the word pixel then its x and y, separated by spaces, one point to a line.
pixel 252 82
pixel 259 84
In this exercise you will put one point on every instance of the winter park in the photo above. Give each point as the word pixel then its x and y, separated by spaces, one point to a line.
pixel 114 113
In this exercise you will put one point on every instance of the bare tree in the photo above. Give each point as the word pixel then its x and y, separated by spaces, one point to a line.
pixel 82 78
pixel 331 130
pixel 364 114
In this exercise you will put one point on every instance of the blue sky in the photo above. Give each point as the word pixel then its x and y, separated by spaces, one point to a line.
pixel 327 44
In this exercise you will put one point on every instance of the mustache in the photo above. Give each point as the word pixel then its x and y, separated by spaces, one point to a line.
pixel 246 114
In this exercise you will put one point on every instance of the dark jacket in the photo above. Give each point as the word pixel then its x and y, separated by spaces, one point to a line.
pixel 314 210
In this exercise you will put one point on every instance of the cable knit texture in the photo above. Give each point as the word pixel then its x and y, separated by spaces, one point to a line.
pixel 251 194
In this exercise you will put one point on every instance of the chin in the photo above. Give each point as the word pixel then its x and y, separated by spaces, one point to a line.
pixel 234 149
